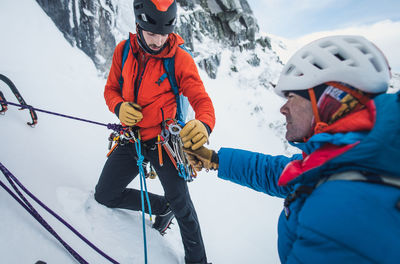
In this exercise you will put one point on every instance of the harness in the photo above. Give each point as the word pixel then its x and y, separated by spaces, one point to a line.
pixel 306 190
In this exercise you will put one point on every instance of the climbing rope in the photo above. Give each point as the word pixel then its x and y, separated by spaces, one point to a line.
pixel 15 183
pixel 118 129
pixel 115 127
pixel 143 183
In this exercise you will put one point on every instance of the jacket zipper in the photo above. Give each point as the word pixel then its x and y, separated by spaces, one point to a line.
pixel 138 81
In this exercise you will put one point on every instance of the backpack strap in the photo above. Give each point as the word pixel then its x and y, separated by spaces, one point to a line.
pixel 181 101
pixel 356 176
pixel 363 177
pixel 169 65
pixel 127 47
pixel 182 46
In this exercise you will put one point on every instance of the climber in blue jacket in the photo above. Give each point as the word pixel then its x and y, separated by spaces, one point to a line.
pixel 342 194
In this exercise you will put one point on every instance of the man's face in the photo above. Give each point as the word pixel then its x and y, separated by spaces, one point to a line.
pixel 299 115
pixel 154 41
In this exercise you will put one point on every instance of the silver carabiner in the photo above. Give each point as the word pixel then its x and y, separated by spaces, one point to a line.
pixel 174 129
pixel 165 134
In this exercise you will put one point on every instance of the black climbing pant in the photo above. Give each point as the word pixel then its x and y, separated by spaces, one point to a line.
pixel 121 168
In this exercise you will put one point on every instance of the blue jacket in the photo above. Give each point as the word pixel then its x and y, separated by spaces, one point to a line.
pixel 340 221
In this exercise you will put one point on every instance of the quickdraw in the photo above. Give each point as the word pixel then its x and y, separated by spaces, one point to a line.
pixel 122 137
pixel 169 139
pixel 176 153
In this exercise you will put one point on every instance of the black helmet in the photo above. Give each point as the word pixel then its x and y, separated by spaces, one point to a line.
pixel 156 16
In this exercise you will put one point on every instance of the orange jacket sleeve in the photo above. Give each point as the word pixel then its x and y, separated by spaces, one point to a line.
pixel 192 87
pixel 112 91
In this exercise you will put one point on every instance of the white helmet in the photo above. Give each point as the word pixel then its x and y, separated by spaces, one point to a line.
pixel 353 60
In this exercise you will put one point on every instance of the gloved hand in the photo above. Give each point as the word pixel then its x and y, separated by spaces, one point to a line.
pixel 202 158
pixel 129 113
pixel 194 134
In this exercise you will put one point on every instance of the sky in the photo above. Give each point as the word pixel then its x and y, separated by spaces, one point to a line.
pixel 302 21
pixel 292 19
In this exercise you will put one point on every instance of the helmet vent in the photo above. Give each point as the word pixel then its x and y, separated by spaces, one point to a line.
pixel 340 56
pixel 317 65
pixel 298 74
pixel 290 69
pixel 326 44
pixel 363 50
pixel 171 22
pixel 375 63
pixel 143 17
pixel 305 55
pixel 353 64
pixel 147 18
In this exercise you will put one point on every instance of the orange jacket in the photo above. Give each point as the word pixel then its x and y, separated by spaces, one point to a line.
pixel 153 97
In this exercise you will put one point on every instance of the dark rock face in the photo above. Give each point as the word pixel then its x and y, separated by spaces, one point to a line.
pixel 91 25
pixel 85 24
pixel 230 22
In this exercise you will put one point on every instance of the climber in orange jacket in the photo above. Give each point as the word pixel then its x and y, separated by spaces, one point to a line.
pixel 143 102
pixel 142 72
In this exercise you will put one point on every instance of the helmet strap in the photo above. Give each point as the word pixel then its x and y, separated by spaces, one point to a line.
pixel 319 126
pixel 142 42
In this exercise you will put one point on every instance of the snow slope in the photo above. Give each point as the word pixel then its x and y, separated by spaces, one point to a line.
pixel 60 160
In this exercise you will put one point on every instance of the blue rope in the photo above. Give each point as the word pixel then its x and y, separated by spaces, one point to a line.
pixel 183 172
pixel 143 182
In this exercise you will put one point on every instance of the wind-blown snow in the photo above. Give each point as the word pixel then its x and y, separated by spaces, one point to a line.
pixel 60 160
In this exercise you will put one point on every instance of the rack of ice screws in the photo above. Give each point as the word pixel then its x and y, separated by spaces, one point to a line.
pixel 169 139
pixel 176 153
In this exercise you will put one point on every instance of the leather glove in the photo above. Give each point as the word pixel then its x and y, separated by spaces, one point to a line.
pixel 129 113
pixel 194 134
pixel 202 158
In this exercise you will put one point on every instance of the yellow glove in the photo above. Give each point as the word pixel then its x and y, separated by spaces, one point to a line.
pixel 129 113
pixel 194 134
pixel 202 158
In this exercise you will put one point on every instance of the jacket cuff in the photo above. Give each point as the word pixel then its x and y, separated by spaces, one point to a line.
pixel 214 157
pixel 116 109
pixel 207 127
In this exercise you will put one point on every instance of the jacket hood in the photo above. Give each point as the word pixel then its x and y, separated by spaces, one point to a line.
pixel 173 41
pixel 376 151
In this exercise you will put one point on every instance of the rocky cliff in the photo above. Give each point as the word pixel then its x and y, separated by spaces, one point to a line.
pixel 95 26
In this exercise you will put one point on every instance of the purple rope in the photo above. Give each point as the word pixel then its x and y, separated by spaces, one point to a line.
pixel 115 127
pixel 25 203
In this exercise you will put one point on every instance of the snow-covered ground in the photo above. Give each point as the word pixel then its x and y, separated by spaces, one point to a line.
pixel 60 159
